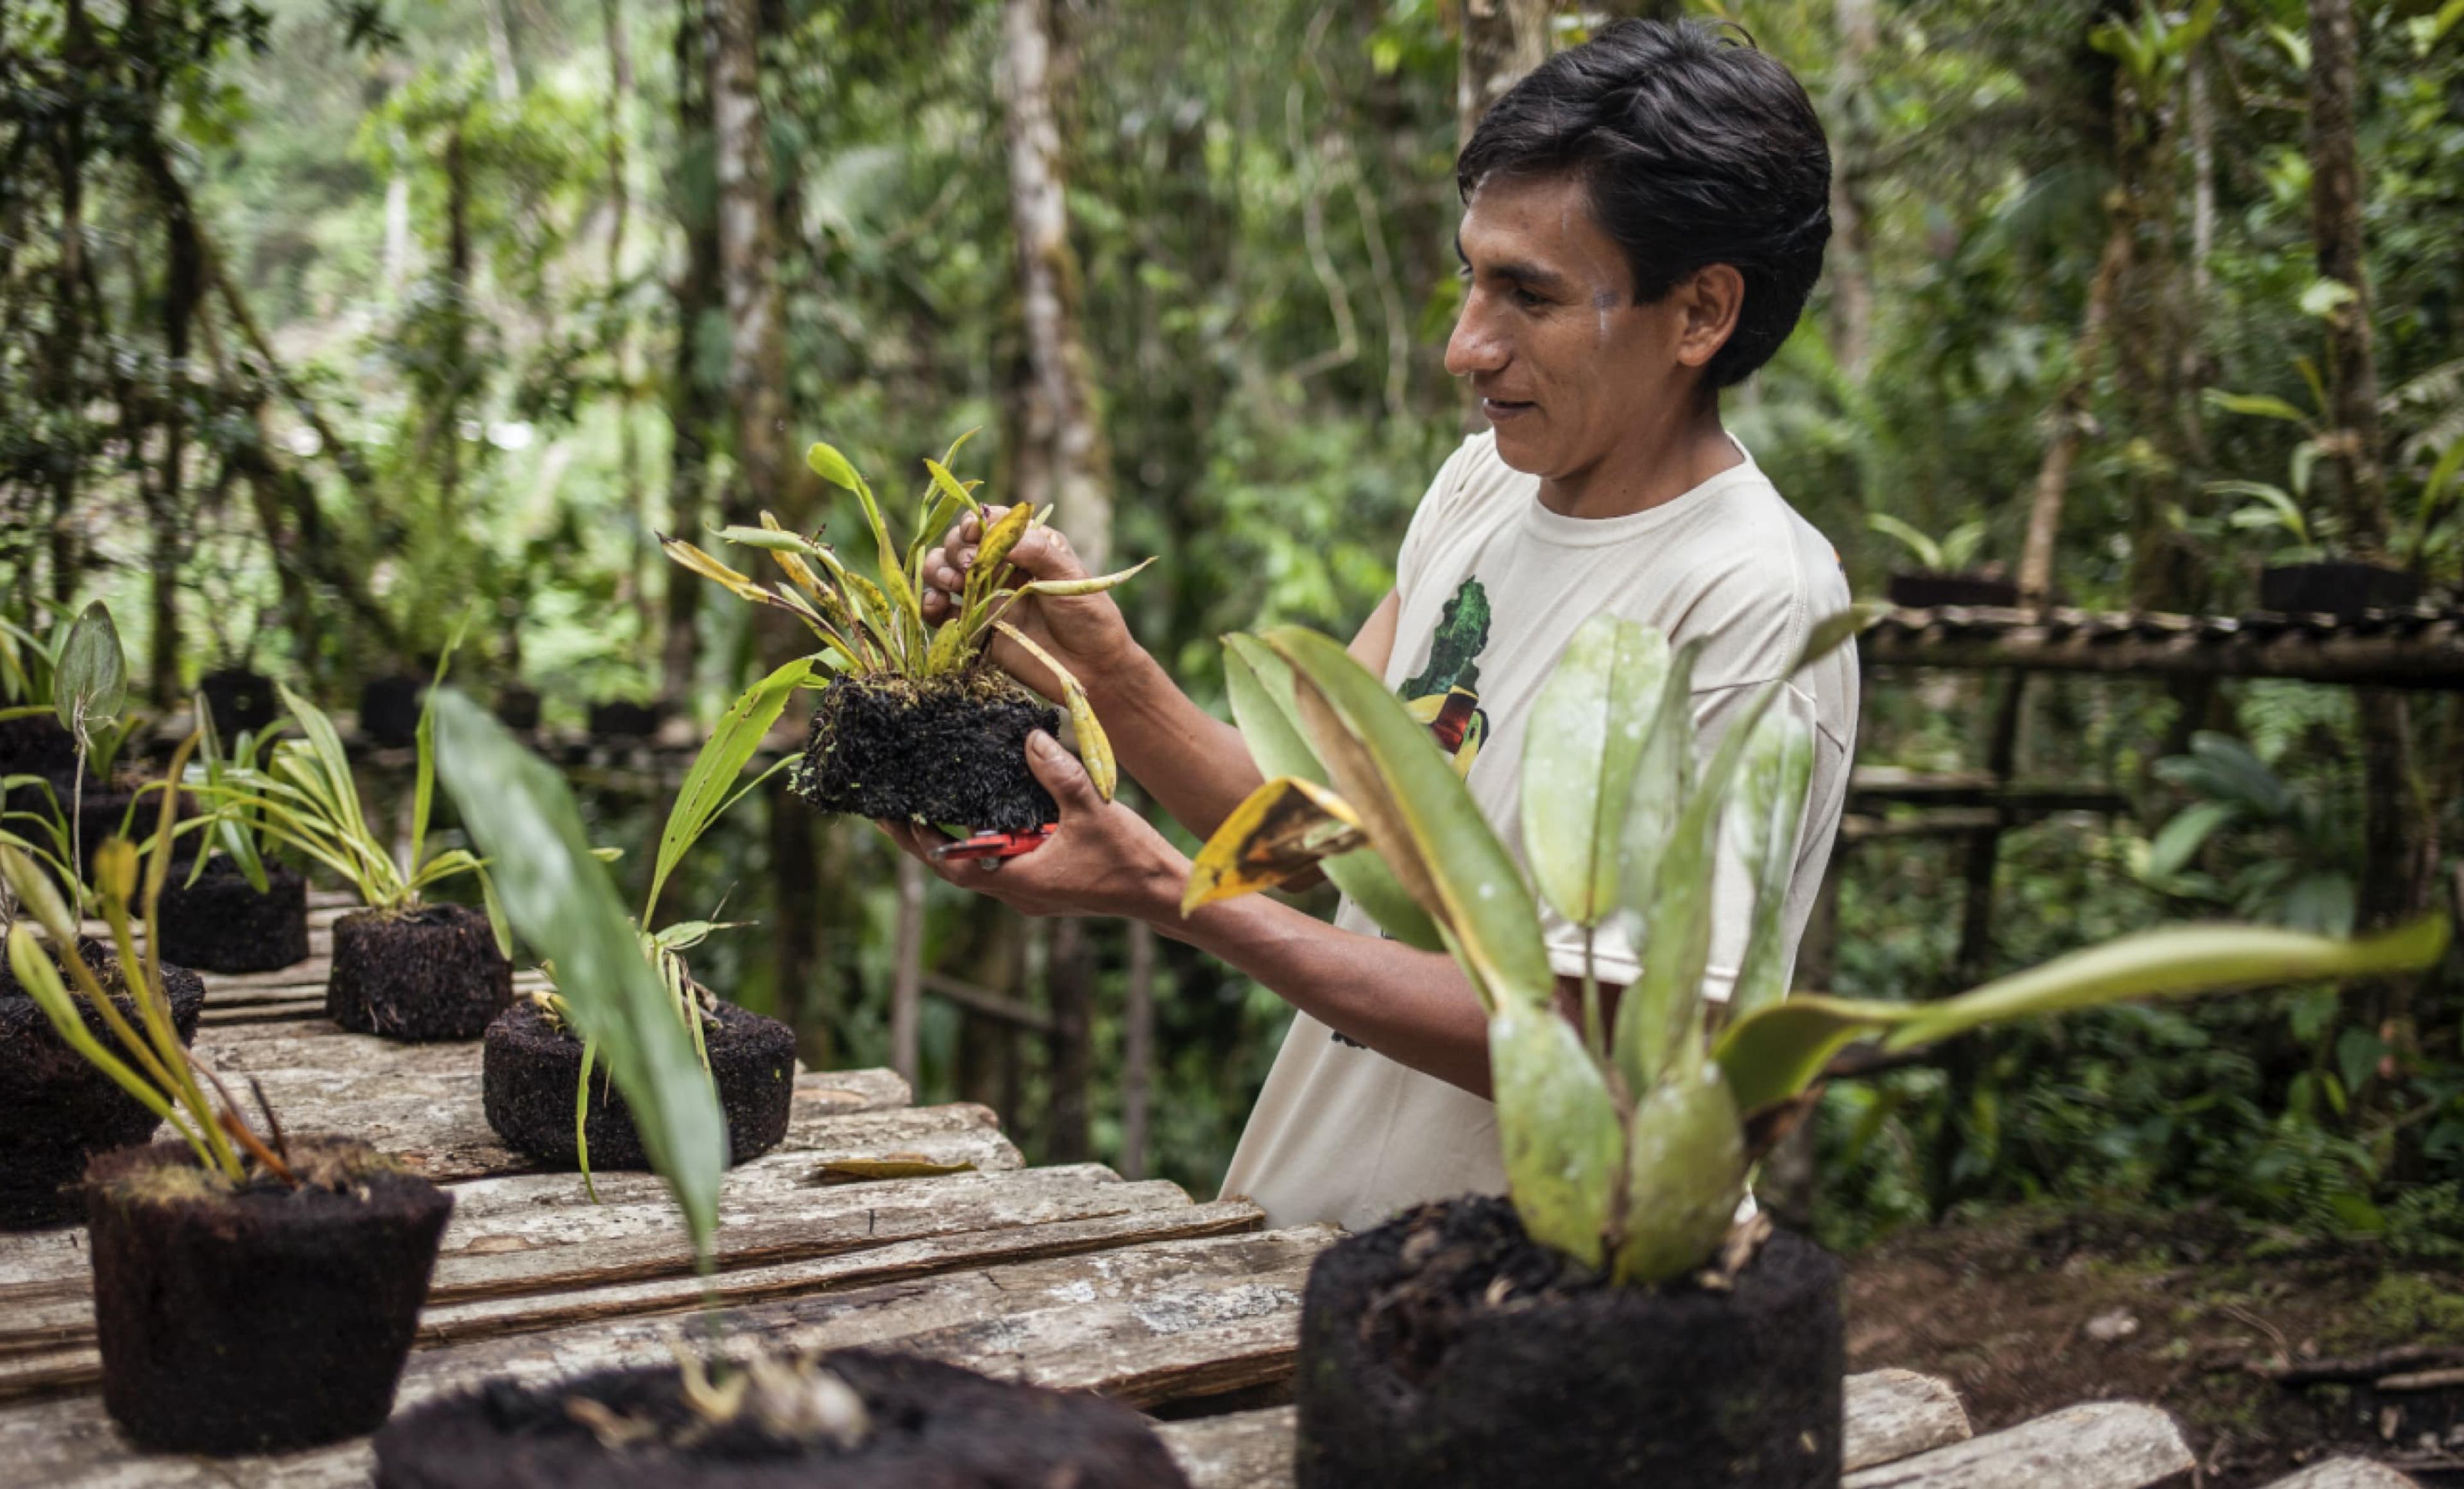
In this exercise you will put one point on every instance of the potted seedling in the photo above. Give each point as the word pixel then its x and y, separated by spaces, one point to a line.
pixel 624 718
pixel 710 1417
pixel 917 725
pixel 1610 1321
pixel 403 967
pixel 32 739
pixel 2303 575
pixel 537 1089
pixel 1944 574
pixel 252 1293
pixel 231 906
pixel 390 708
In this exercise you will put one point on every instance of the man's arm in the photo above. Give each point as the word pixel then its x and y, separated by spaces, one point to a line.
pixel 1194 765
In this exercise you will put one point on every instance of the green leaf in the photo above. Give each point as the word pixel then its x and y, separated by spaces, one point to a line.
pixel 824 461
pixel 2180 839
pixel 1587 729
pixel 90 683
pixel 1774 1053
pixel 1685 1176
pixel 1260 688
pixel 1763 825
pixel 424 748
pixel 566 907
pixel 711 782
pixel 1382 758
pixel 1663 779
pixel 2264 406
pixel 1558 1125
pixel 1919 543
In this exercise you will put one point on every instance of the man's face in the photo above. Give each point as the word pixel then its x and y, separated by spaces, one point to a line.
pixel 1565 364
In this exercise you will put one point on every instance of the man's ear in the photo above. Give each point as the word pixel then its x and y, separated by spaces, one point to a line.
pixel 1708 304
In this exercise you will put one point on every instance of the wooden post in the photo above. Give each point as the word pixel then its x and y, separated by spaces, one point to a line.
pixel 1069 978
pixel 1137 1050
pixel 907 986
pixel 1964 1058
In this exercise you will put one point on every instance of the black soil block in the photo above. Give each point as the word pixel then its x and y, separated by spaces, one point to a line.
pixel 36 746
pixel 430 973
pixel 259 1318
pixel 61 1110
pixel 951 751
pixel 1926 588
pixel 517 709
pixel 389 710
pixel 935 1426
pixel 533 1073
pixel 2338 587
pixel 241 701
pixel 621 720
pixel 1446 1348
pixel 221 924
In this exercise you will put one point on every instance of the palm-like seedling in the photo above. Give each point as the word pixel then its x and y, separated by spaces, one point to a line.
pixel 1626 1140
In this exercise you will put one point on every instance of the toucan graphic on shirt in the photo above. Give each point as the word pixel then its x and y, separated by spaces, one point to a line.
pixel 1444 695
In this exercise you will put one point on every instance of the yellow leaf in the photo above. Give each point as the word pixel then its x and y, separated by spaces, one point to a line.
pixel 1282 831
pixel 897 1166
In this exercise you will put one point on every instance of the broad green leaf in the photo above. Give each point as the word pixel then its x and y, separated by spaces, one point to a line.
pixel 1261 689
pixel 1763 826
pixel 1776 1051
pixel 565 905
pixel 1283 830
pixel 710 783
pixel 1379 755
pixel 1663 778
pixel 1685 1175
pixel 90 683
pixel 1918 542
pixel 2180 839
pixel 2178 961
pixel 1559 1126
pixel 1587 729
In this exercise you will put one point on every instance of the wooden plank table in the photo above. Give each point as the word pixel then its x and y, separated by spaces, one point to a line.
pixel 1069 1276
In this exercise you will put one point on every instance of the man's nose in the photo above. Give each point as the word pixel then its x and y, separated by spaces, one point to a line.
pixel 1474 348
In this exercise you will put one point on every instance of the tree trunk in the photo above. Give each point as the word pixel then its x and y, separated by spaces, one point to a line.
pixel 1073 467
pixel 1502 40
pixel 447 418
pixel 694 407
pixel 620 209
pixel 1852 283
pixel 500 51
pixel 2069 416
pixel 64 357
pixel 1069 992
pixel 906 976
pixel 183 286
pixel 1137 1052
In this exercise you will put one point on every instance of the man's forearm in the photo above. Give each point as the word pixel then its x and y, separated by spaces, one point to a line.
pixel 1193 764
pixel 1412 1007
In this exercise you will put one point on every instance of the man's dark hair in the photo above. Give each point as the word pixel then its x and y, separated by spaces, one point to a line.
pixel 1696 149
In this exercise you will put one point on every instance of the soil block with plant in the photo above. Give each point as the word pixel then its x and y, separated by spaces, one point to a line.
pixel 1943 575
pixel 62 1109
pixel 390 708
pixel 220 922
pixel 426 974
pixel 917 724
pixel 532 1069
pixel 620 718
pixel 257 1316
pixel 241 700
pixel 1446 1346
pixel 2341 587
pixel 856 1419
pixel 517 707
pixel 1612 1321
pixel 36 745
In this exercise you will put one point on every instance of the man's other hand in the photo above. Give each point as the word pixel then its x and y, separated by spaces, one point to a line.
pixel 1085 632
pixel 1102 859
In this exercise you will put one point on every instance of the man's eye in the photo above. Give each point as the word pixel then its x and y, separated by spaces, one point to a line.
pixel 1529 300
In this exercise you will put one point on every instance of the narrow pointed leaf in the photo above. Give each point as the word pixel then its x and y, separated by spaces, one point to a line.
pixel 566 907
pixel 1094 745
pixel 1283 830
pixel 1587 734
pixel 710 783
pixel 1777 1051
pixel 1263 703
pixel 1559 1126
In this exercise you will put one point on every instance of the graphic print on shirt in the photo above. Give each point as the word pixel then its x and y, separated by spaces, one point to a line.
pixel 1446 694
pixel 1442 695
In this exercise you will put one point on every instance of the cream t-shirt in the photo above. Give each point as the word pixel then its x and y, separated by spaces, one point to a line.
pixel 1492 584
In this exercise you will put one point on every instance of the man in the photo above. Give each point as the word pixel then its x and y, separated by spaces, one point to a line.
pixel 1644 217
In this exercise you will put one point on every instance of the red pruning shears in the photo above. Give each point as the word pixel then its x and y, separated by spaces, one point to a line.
pixel 994 845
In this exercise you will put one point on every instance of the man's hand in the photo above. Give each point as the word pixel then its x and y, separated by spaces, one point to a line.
pixel 1085 634
pixel 1102 859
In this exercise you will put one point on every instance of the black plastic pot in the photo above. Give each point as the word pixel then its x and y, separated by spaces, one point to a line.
pixel 1929 588
pixel 1446 1348
pixel 262 1319
pixel 221 924
pixel 427 974
pixel 934 1426
pixel 389 710
pixel 2338 588
pixel 241 701
pixel 532 1072
pixel 949 751
pixel 36 746
pixel 61 1110
pixel 517 709
pixel 619 719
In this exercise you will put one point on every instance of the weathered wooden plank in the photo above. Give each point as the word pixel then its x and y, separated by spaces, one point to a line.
pixel 1890 1414
pixel 2347 1473
pixel 537 1233
pixel 2101 1445
pixel 1039 1320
